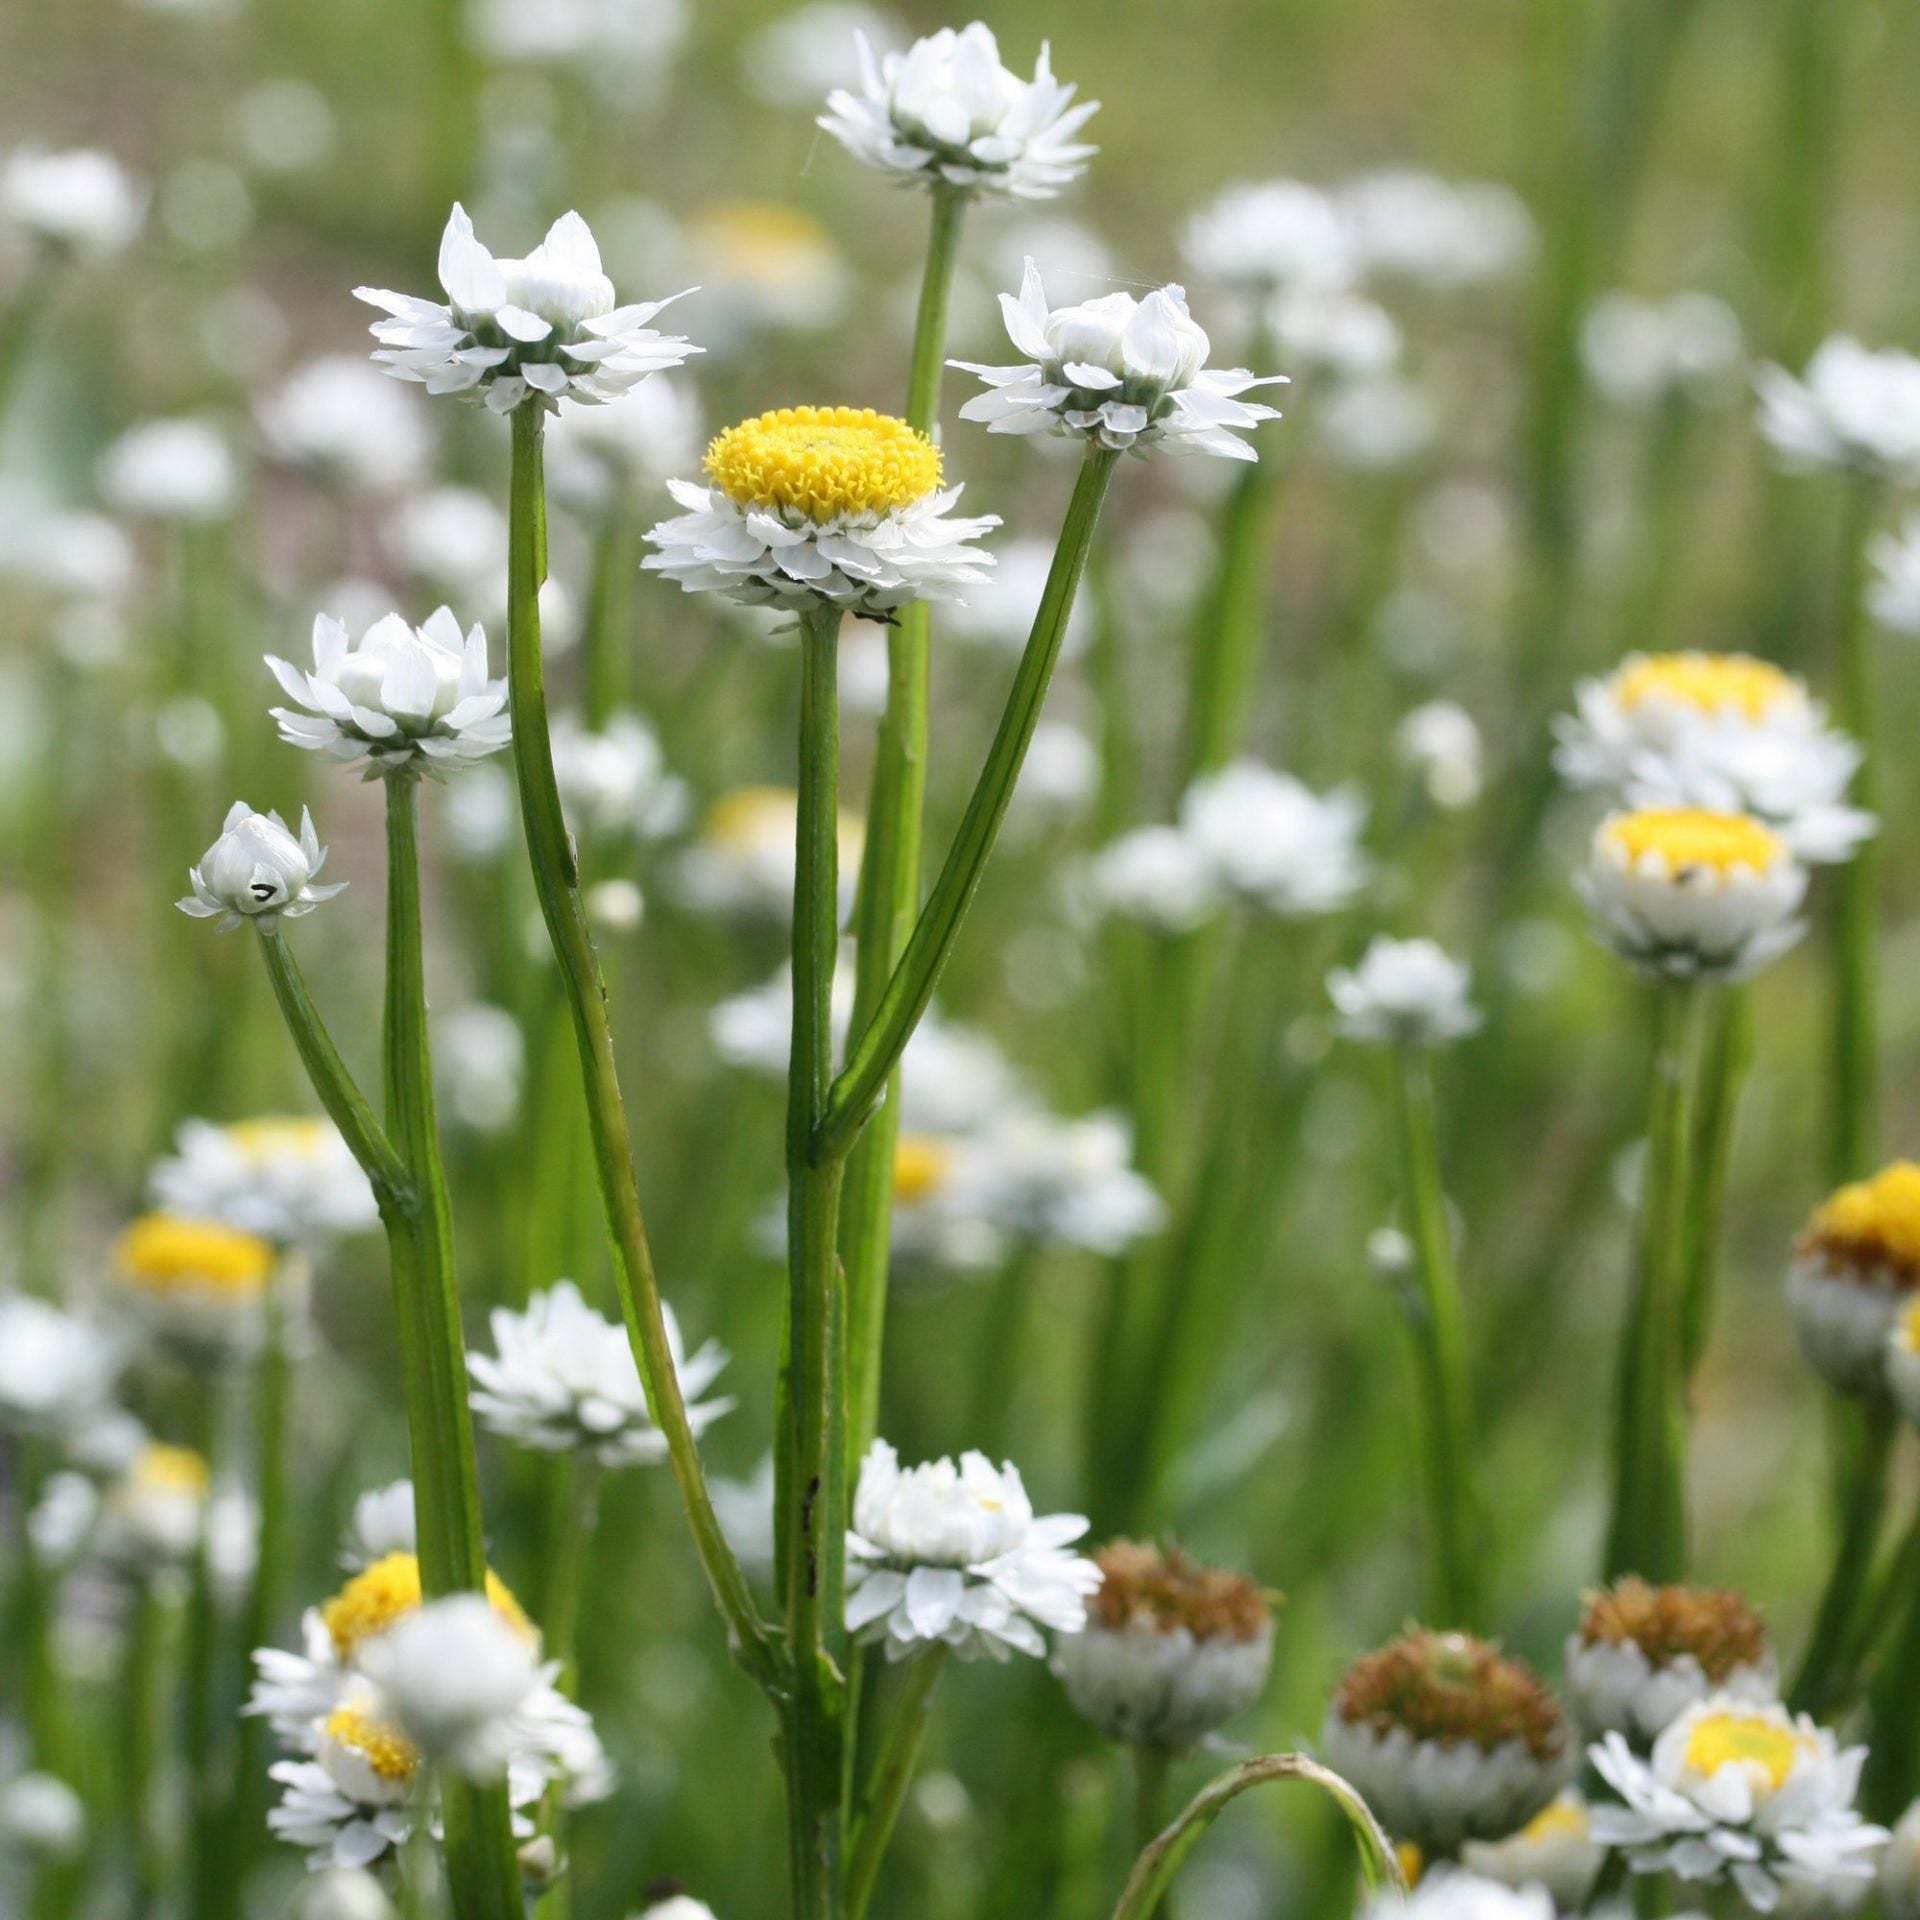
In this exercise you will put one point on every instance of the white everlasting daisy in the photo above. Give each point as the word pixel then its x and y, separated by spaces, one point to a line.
pixel 55 1370
pixel 357 1799
pixel 1854 410
pixel 545 328
pixel 1444 234
pixel 287 1180
pixel 1045 1180
pixel 41 1818
pixel 1448 1893
pixel 1447 1740
pixel 258 871
pixel 340 1893
pixel 342 420
pixel 954 1555
pixel 151 1517
pixel 1440 744
pixel 1327 330
pixel 1261 237
pixel 82 201
pixel 1156 875
pixel 480 1066
pixel 1855 1270
pixel 1271 840
pixel 452 537
pixel 1640 353
pixel 614 41
pixel 400 699
pixel 1123 373
pixel 197 1286
pixel 179 470
pixel 1735 1792
pixel 948 113
pixel 1686 894
pixel 564 1378
pixel 1403 993
pixel 807 505
pixel 615 781
pixel 803 54
pixel 383 1523
pixel 1722 731
pixel 741 860
pixel 1555 1850
pixel 599 459
pixel 1642 1655
pixel 1893 595
pixel 1376 424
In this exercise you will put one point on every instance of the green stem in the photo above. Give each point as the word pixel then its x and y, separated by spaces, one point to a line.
pixel 144 1705
pixel 574 1506
pixel 1893 1759
pixel 908 1713
pixel 875 1053
pixel 556 881
pixel 1440 1338
pixel 607 677
pixel 1726 1056
pixel 1151 1766
pixel 890 874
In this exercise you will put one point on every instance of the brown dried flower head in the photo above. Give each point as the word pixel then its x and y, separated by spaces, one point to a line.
pixel 1714 1624
pixel 1145 1586
pixel 1450 1688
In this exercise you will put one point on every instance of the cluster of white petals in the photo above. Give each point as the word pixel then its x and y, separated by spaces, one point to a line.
pixel 55 1370
pixel 1437 233
pixel 456 1679
pixel 1853 409
pixel 1893 595
pixel 1640 353
pixel 1260 237
pixel 947 112
pixel 81 200
pixel 1406 993
pixel 175 470
pixel 343 420
pixel 257 870
pixel 286 1180
pixel 547 327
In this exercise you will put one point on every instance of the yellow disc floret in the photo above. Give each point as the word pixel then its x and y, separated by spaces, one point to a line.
pixel 1872 1225
pixel 167 1470
pixel 1689 839
pixel 385 1749
pixel 824 462
pixel 274 1137
pixel 164 1254
pixel 920 1167
pixel 1747 1740
pixel 1713 682
pixel 388 1590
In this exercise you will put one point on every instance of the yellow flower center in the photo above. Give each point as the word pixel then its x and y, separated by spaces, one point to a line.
pixel 274 1137
pixel 1566 1815
pixel 759 240
pixel 388 1590
pixel 1713 682
pixel 1872 1223
pixel 1412 1861
pixel 824 461
pixel 1687 838
pixel 167 1255
pixel 752 820
pixel 1744 1740
pixel 1910 1328
pixel 162 1469
pixel 388 1752
pixel 920 1167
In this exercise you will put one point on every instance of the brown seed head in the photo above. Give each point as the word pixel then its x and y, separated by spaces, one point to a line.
pixel 1145 1586
pixel 1714 1624
pixel 1449 1688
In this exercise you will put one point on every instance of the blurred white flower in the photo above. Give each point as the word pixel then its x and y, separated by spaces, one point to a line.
pixel 630 39
pixel 564 1379
pixel 1900 1868
pixel 1448 1893
pixel 196 1286
pixel 453 537
pixel 1440 744
pixel 257 870
pixel 1376 423
pixel 1406 993
pixel 342 419
pixel 1159 876
pixel 1331 331
pixel 1855 1271
pixel 1437 233
pixel 340 1893
pixel 616 781
pixel 742 859
pixel 1120 372
pixel 744 1509
pixel 599 459
pixel 55 1370
pixel 1853 409
pixel 1893 595
pixel 42 1818
pixel 63 1517
pixel 1640 353
pixel 400 699
pixel 1040 1178
pixel 480 1060
pixel 546 326
pixel 999 612
pixel 284 125
pixel 82 200
pixel 181 470
pixel 1260 237
pixel 762 264
pixel 383 1524
pixel 794 60
pixel 947 112
pixel 1555 1850
pixel 150 1518
pixel 1271 840
pixel 64 551
pixel 284 1179
pixel 954 1555
pixel 1060 774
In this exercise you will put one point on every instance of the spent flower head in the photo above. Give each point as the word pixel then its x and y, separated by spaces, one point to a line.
pixel 257 870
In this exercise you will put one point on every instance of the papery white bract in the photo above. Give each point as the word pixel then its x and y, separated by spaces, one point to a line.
pixel 1403 993
pixel 258 871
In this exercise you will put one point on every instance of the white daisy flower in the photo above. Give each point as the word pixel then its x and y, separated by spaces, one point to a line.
pixel 954 1555
pixel 948 113
pixel 383 1523
pixel 400 699
pixel 178 470
pixel 343 420
pixel 1642 1655
pixel 1046 1180
pixel 286 1180
pixel 1641 353
pixel 1326 330
pixel 1893 596
pixel 55 1370
pixel 358 1798
pixel 1448 1893
pixel 1414 226
pixel 564 1378
pixel 741 861
pixel 1686 894
pixel 480 1066
pixel 1440 744
pixel 795 59
pixel 1555 1850
pixel 1120 372
pixel 82 201
pixel 1855 1270
pixel 150 1518
pixel 1171 1650
pixel 1406 993
pixel 340 1893
pixel 1447 1740
pixel 1853 409
pixel 627 39
pixel 1158 876
pixel 1376 424
pixel 258 871
pixel 601 458
pixel 1270 840
pixel 807 505
pixel 615 781
pixel 1261 237
pixel 546 327
pixel 41 1818
pixel 452 537
pixel 1722 731
pixel 1733 1791
pixel 197 1286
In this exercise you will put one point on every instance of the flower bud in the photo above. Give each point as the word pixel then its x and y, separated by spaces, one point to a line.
pixel 257 870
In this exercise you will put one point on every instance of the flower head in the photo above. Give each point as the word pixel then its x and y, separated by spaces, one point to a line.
pixel 1736 1792
pixel 258 871
pixel 946 112
pixel 1156 875
pixel 1853 410
pixel 545 328
pixel 954 1555
pixel 1274 842
pixel 55 1370
pixel 1415 226
pixel 1403 993
pixel 742 859
pixel 284 1179
pixel 340 419
pixel 807 505
pixel 1118 372
pixel 1450 1894
pixel 1642 352
pixel 356 1798
pixel 197 1284
pixel 1258 238
pixel 151 1517
pixel 1689 894
pixel 1555 1850
pixel 178 470
pixel 1171 1650
pixel 385 1592
pixel 81 201
pixel 1893 597
pixel 401 699
pixel 564 1379
pixel 1855 1268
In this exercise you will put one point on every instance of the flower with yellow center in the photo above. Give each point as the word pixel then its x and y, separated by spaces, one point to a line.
pixel 1555 1849
pixel 387 1591
pixel 821 506
pixel 1903 1361
pixel 1707 682
pixel 1686 893
pixel 287 1178
pixel 152 1515
pixel 373 1762
pixel 195 1285
pixel 742 861
pixel 762 263
pixel 921 1164
pixel 1854 1269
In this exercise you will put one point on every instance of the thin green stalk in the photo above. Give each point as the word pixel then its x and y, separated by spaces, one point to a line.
pixel 143 1704
pixel 1893 1758
pixel 908 1712
pixel 1892 1584
pixel 1725 1058
pixel 812 1457
pixel 556 881
pixel 877 1050
pixel 1454 1520
pixel 201 1679
pixel 890 872
pixel 1648 1531
pixel 606 681
pixel 574 1510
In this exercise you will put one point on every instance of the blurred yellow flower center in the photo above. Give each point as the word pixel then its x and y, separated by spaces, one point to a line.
pixel 388 1590
pixel 1743 1740
pixel 759 240
pixel 824 461
pixel 389 1753
pixel 167 1255
pixel 1910 1327
pixel 1412 1861
pixel 752 820
pixel 1872 1223
pixel 920 1167
pixel 273 1137
pixel 1691 837
pixel 1564 1816
pixel 1713 682
pixel 163 1469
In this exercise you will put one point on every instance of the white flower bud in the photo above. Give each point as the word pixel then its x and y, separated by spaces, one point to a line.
pixel 257 870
